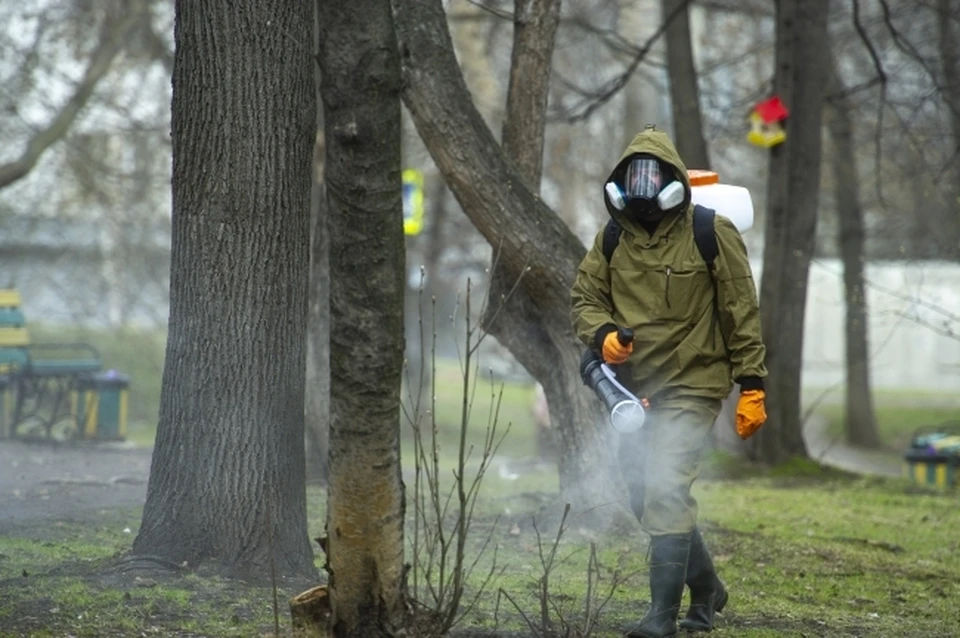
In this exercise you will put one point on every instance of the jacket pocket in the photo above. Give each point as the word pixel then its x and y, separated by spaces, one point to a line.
pixel 636 294
pixel 686 292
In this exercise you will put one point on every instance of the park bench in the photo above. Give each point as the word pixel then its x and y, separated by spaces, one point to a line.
pixel 38 380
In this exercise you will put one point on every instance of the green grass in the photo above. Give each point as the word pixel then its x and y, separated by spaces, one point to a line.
pixel 804 551
pixel 895 422
pixel 507 406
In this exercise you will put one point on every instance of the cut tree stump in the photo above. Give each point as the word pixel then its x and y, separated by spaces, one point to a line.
pixel 310 610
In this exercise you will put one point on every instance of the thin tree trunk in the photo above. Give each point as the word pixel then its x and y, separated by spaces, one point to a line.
pixel 638 20
pixel 949 41
pixel 365 508
pixel 535 25
pixel 227 477
pixel 684 92
pixel 861 426
pixel 317 393
pixel 527 238
pixel 790 233
pixel 534 34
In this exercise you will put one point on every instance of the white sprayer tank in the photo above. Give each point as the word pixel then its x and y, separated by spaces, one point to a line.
pixel 733 202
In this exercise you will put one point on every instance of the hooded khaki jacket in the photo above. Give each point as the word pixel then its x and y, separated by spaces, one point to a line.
pixel 694 331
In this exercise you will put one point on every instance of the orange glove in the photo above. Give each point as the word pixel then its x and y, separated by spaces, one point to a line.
pixel 751 413
pixel 614 351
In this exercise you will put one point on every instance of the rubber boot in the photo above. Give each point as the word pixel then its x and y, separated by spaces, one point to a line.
pixel 707 593
pixel 668 569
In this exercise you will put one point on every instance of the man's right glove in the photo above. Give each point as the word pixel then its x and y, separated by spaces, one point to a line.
pixel 614 351
pixel 751 413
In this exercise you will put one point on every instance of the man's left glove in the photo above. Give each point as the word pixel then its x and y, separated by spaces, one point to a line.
pixel 751 413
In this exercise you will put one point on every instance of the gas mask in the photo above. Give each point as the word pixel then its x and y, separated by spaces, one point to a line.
pixel 649 190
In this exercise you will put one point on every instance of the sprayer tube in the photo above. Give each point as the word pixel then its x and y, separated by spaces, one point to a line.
pixel 607 372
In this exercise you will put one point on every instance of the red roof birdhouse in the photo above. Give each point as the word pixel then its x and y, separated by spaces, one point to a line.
pixel 767 123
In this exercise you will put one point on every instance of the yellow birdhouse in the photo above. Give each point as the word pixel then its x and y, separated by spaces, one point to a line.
pixel 766 123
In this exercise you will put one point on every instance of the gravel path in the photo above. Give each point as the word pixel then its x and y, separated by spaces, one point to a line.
pixel 42 484
pixel 835 452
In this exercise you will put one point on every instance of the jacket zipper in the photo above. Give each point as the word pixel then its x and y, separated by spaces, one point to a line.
pixel 667 294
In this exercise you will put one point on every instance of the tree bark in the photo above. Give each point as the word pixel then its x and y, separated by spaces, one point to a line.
pixel 317 392
pixel 861 426
pixel 949 45
pixel 638 21
pixel 790 234
pixel 527 237
pixel 227 477
pixel 534 34
pixel 684 92
pixel 365 509
pixel 535 25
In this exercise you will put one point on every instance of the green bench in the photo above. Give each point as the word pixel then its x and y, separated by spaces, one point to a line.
pixel 39 379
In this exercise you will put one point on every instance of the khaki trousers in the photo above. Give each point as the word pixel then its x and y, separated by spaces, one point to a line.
pixel 660 462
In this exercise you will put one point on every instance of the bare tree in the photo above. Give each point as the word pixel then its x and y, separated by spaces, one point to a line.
pixel 684 92
pixel 360 71
pixel 317 394
pixel 792 202
pixel 114 34
pixel 527 236
pixel 948 18
pixel 227 478
pixel 861 427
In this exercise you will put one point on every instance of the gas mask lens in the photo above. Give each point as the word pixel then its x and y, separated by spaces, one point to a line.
pixel 643 179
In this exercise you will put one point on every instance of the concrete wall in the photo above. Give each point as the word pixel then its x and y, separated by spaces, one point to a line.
pixel 910 304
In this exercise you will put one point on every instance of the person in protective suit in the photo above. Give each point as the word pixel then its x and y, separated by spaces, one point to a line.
pixel 696 331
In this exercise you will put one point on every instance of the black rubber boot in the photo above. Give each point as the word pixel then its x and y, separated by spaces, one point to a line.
pixel 668 568
pixel 707 593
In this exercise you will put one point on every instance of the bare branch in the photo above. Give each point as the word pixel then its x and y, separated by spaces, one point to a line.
pixel 111 41
pixel 582 110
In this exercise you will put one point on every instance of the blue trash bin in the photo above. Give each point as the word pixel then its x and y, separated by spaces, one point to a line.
pixel 101 405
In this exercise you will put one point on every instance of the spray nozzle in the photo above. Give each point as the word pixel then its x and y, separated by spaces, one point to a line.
pixel 627 412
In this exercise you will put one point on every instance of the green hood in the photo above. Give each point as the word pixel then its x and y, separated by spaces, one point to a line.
pixel 658 144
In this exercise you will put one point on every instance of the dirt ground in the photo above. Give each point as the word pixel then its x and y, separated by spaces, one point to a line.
pixel 43 484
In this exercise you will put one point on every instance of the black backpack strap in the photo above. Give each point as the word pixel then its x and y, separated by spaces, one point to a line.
pixel 704 234
pixel 611 237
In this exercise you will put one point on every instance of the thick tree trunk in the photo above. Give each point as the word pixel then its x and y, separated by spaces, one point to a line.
pixel 861 426
pixel 684 92
pixel 227 478
pixel 528 237
pixel 790 234
pixel 365 508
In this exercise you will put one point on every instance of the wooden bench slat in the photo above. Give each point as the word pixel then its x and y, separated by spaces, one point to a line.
pixel 12 317
pixel 9 298
pixel 55 366
pixel 16 337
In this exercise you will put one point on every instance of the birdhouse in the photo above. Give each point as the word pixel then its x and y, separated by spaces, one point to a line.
pixel 766 123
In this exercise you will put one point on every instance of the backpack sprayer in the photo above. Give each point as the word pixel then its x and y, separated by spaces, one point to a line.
pixel 627 412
